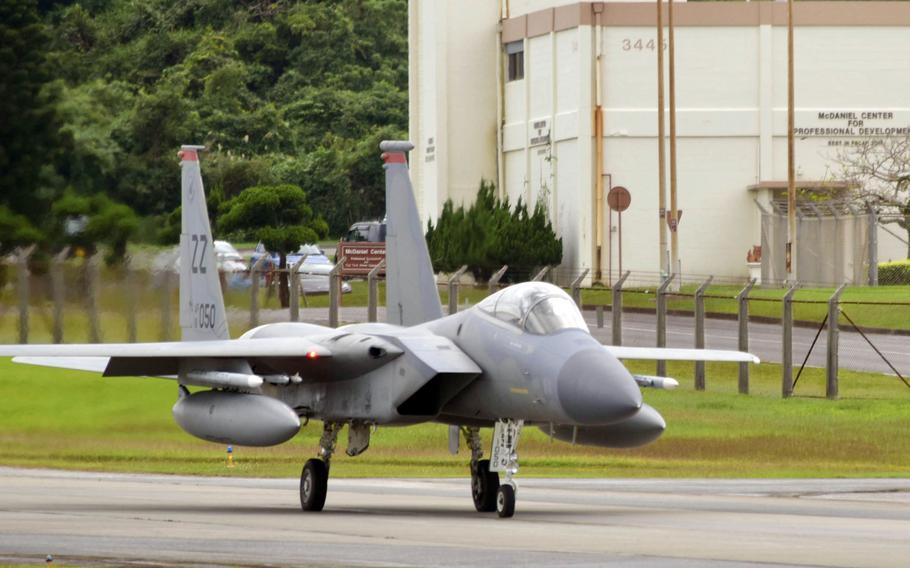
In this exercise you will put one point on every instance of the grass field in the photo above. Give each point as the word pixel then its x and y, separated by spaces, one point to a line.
pixel 76 420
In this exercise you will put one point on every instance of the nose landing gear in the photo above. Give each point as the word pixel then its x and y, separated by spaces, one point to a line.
pixel 488 494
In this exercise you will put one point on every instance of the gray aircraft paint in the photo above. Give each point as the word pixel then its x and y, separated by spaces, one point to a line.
pixel 469 368
pixel 411 293
pixel 202 315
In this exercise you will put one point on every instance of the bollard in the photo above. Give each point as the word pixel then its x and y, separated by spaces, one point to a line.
pixel 786 322
pixel 254 289
pixel 92 266
pixel 493 283
pixel 294 278
pixel 58 291
pixel 700 331
pixel 662 321
pixel 230 456
pixel 576 287
pixel 743 319
pixel 335 291
pixel 22 256
pixel 453 289
pixel 833 338
pixel 373 291
pixel 616 309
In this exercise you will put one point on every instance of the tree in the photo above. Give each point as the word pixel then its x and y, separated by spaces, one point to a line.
pixel 28 128
pixel 880 172
pixel 490 234
pixel 87 221
pixel 277 215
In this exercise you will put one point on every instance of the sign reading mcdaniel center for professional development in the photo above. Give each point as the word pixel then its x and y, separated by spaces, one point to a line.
pixel 856 124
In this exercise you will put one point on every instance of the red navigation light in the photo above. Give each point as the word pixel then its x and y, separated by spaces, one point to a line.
pixel 311 355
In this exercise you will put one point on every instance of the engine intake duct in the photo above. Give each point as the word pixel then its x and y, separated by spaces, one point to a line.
pixel 429 399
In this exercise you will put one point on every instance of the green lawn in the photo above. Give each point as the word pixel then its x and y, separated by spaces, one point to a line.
pixel 76 420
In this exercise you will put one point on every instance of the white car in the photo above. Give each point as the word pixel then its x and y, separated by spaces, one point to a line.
pixel 314 274
pixel 228 258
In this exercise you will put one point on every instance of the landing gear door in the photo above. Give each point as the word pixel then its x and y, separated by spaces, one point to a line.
pixel 505 442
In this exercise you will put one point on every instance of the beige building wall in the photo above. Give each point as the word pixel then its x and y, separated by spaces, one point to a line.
pixel 731 113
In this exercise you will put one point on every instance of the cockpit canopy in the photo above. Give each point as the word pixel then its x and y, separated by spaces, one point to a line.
pixel 536 307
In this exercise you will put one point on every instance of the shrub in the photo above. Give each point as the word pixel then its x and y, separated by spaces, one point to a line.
pixel 894 273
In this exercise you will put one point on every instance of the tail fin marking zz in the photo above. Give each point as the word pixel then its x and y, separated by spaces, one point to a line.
pixel 202 314
pixel 411 293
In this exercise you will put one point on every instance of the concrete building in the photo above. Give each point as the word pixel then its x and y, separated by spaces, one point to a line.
pixel 507 90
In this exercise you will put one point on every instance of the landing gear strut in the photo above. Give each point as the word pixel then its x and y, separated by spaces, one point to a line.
pixel 314 478
pixel 484 483
pixel 505 458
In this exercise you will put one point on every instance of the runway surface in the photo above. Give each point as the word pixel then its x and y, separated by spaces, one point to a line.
pixel 163 520
pixel 639 330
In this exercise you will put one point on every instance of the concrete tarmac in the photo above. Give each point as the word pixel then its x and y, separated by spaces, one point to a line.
pixel 169 520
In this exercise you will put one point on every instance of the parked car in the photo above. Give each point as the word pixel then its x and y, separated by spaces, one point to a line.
pixel 314 274
pixel 366 231
pixel 228 258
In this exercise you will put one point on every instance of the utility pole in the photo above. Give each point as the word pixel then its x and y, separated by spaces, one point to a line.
pixel 791 167
pixel 661 150
pixel 673 219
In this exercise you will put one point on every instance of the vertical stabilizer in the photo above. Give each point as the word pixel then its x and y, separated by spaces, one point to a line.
pixel 202 315
pixel 411 293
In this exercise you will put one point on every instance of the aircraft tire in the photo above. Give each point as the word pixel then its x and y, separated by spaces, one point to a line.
pixel 505 501
pixel 314 481
pixel 484 484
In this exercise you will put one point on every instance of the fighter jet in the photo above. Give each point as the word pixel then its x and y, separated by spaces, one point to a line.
pixel 521 357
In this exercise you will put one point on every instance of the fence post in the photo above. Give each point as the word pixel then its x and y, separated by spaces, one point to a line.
pixel 743 319
pixel 22 256
pixel 542 274
pixel 373 291
pixel 493 283
pixel 873 246
pixel 167 283
pixel 662 321
pixel 576 287
pixel 93 266
pixel 700 331
pixel 833 338
pixel 616 309
pixel 294 281
pixel 787 347
pixel 58 291
pixel 132 299
pixel 453 289
pixel 254 289
pixel 335 291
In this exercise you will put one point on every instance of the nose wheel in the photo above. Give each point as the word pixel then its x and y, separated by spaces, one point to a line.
pixel 486 491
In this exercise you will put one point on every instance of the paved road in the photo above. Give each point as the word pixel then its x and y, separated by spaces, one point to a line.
pixel 665 523
pixel 764 339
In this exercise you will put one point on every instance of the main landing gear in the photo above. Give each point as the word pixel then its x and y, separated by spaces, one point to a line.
pixel 488 494
pixel 314 479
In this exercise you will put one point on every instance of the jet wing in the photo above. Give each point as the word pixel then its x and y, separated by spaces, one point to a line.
pixel 159 358
pixel 672 354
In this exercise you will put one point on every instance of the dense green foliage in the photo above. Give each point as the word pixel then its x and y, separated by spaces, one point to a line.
pixel 894 273
pixel 278 216
pixel 490 234
pixel 281 92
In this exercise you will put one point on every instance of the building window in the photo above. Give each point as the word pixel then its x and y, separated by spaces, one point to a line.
pixel 516 52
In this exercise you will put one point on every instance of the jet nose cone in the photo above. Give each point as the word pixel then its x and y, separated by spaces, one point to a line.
pixel 595 388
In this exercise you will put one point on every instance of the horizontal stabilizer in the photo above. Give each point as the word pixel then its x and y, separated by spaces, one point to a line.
pixel 673 354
